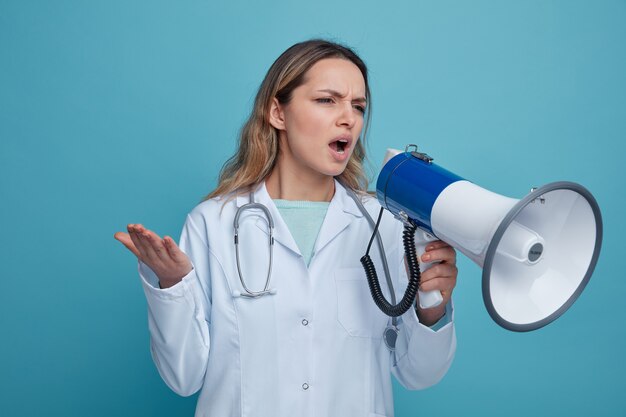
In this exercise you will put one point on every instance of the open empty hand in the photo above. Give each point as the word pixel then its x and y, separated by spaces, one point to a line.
pixel 163 256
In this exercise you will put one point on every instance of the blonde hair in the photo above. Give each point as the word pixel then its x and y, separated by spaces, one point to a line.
pixel 258 141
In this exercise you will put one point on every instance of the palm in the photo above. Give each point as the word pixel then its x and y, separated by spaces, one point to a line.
pixel 163 256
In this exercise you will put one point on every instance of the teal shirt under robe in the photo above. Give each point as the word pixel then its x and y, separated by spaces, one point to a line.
pixel 304 220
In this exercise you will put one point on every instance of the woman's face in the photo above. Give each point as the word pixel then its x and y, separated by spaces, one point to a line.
pixel 320 126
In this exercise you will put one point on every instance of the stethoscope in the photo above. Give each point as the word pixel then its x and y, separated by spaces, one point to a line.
pixel 391 332
pixel 270 223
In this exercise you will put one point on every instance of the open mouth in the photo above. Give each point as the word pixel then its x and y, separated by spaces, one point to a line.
pixel 339 146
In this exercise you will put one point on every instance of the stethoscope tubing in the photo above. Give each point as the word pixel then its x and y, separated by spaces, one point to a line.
pixel 249 293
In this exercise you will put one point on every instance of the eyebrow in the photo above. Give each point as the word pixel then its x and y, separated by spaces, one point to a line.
pixel 339 95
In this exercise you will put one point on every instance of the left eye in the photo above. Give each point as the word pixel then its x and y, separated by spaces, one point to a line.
pixel 360 108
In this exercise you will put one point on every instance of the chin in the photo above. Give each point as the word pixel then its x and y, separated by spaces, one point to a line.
pixel 335 172
pixel 332 169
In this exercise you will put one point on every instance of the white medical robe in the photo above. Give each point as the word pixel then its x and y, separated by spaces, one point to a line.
pixel 312 349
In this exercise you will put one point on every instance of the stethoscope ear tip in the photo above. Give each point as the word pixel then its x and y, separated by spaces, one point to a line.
pixel 236 294
pixel 273 291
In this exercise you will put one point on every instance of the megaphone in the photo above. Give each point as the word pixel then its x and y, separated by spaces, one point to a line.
pixel 537 253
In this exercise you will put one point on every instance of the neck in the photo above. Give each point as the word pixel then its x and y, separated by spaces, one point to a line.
pixel 286 184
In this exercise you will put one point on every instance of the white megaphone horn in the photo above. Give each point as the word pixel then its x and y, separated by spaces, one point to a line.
pixel 537 253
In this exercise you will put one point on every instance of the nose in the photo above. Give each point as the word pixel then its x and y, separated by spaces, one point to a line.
pixel 346 118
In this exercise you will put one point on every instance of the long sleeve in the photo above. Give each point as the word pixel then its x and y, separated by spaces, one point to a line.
pixel 423 355
pixel 179 317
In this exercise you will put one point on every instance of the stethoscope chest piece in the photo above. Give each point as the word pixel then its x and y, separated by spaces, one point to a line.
pixel 390 335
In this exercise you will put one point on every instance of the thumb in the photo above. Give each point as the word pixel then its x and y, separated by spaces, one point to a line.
pixel 127 241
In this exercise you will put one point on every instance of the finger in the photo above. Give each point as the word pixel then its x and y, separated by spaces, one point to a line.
pixel 159 247
pixel 444 254
pixel 443 284
pixel 436 244
pixel 140 237
pixel 439 271
pixel 173 250
pixel 133 231
pixel 125 239
pixel 154 248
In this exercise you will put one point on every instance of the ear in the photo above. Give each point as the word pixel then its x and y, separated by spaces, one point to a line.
pixel 277 116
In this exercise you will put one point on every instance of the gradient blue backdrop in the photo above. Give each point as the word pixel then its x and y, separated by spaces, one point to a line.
pixel 114 112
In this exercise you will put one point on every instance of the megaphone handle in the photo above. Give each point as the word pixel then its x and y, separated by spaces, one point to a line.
pixel 427 299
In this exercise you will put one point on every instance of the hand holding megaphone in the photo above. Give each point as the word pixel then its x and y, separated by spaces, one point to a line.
pixel 432 298
pixel 436 284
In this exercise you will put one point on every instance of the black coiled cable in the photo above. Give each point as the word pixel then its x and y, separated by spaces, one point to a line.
pixel 408 240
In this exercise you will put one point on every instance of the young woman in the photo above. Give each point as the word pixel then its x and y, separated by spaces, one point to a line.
pixel 308 342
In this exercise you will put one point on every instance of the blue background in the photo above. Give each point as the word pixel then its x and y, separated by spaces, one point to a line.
pixel 113 112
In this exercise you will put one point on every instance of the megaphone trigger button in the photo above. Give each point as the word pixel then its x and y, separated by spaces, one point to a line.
pixel 428 237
